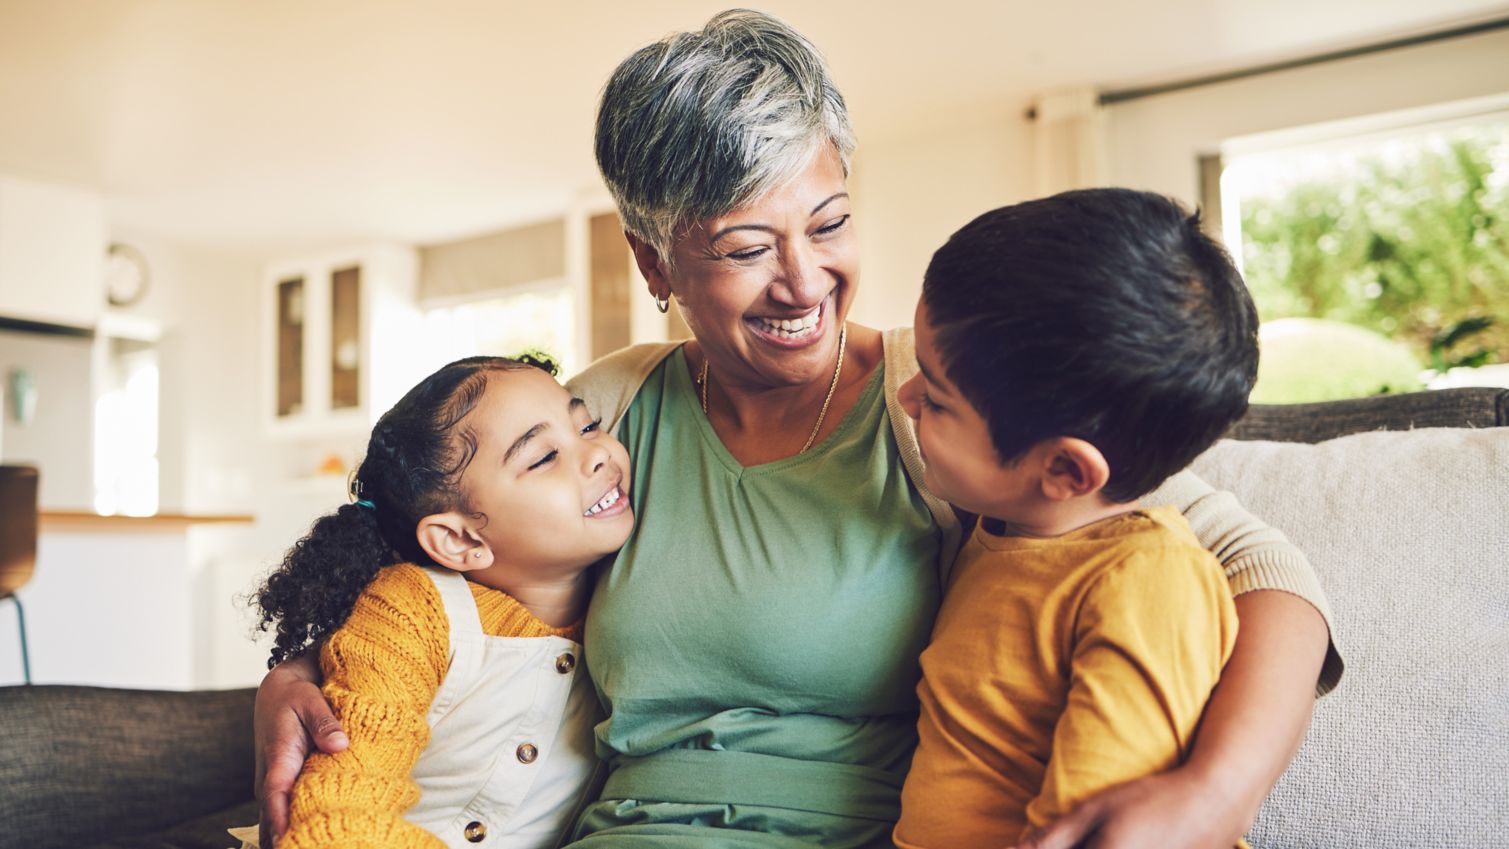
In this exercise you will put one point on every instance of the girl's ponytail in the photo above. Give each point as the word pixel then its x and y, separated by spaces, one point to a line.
pixel 314 590
pixel 413 467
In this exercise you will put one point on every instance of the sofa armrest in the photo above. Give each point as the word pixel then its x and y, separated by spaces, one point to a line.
pixel 81 765
pixel 1466 407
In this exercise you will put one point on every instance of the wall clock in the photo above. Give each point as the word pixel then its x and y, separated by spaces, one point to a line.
pixel 126 275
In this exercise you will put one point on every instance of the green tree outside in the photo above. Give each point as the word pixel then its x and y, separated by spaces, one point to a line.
pixel 1409 239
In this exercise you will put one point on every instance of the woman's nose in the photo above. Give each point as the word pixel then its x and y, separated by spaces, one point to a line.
pixel 802 282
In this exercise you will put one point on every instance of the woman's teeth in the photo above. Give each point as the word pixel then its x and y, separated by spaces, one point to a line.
pixel 608 501
pixel 789 328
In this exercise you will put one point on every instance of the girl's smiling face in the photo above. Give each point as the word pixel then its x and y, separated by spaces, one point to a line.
pixel 546 492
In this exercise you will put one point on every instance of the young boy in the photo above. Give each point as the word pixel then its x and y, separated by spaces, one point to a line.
pixel 1076 351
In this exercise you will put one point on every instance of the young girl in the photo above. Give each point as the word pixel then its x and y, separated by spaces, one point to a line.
pixel 450 599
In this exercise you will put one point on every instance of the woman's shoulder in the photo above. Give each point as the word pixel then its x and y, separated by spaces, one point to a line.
pixel 610 383
pixel 900 353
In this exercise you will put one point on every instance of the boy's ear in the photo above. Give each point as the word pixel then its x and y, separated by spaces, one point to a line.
pixel 650 265
pixel 1072 468
pixel 449 541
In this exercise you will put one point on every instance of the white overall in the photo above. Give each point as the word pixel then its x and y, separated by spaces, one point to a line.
pixel 511 750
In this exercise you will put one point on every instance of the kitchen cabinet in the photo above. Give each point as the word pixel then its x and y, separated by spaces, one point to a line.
pixel 335 329
pixel 52 253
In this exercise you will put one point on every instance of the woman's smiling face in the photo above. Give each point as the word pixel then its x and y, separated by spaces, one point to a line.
pixel 765 288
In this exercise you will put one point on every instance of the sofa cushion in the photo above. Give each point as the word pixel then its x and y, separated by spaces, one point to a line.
pixel 85 765
pixel 206 832
pixel 1409 534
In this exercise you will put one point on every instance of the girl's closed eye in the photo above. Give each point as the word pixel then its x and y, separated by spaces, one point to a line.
pixel 593 426
pixel 543 461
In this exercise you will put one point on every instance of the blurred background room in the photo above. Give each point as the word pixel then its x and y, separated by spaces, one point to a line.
pixel 232 233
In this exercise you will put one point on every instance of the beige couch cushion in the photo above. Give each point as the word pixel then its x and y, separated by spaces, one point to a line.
pixel 1409 533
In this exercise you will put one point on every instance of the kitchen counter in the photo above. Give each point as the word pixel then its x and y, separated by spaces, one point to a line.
pixel 131 601
pixel 83 520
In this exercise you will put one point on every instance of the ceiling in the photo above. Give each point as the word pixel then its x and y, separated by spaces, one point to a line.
pixel 285 122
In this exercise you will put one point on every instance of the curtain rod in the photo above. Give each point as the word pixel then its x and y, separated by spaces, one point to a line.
pixel 1123 95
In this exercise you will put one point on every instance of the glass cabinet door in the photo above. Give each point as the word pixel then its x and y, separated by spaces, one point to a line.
pixel 345 338
pixel 290 353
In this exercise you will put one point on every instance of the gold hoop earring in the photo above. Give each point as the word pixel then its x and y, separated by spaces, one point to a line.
pixel 663 305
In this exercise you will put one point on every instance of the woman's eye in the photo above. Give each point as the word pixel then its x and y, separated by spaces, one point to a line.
pixel 748 253
pixel 545 460
pixel 592 427
pixel 835 226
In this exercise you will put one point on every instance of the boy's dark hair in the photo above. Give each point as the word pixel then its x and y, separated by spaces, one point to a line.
pixel 1101 314
pixel 415 459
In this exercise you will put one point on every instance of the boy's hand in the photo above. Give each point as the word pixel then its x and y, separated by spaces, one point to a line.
pixel 1171 810
pixel 290 720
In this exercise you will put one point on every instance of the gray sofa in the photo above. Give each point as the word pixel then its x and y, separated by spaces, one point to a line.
pixel 1409 533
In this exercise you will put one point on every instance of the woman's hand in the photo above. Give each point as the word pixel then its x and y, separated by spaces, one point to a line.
pixel 1171 810
pixel 291 719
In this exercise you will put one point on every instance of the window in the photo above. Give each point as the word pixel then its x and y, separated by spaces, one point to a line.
pixel 507 325
pixel 125 431
pixel 1377 252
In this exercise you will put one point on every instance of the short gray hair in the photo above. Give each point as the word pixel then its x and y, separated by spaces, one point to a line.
pixel 700 122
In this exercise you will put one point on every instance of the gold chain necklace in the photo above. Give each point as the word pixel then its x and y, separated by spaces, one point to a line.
pixel 843 335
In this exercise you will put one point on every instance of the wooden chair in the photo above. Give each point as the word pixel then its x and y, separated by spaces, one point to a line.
pixel 18 542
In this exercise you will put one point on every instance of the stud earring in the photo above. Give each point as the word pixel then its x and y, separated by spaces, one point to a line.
pixel 477 554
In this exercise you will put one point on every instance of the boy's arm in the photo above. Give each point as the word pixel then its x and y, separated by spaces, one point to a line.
pixel 1149 644
pixel 382 670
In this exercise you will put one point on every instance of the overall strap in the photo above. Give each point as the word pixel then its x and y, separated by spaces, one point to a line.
pixel 456 595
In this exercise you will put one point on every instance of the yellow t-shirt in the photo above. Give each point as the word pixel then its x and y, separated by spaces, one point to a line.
pixel 1059 667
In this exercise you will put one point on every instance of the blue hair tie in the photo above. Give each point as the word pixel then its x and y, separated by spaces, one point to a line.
pixel 367 504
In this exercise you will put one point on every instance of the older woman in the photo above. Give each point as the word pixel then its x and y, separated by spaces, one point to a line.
pixel 755 643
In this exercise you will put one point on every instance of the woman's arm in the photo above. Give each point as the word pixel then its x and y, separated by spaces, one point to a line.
pixel 1254 723
pixel 291 719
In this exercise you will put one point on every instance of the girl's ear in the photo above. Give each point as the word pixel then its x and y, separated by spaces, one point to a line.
pixel 448 539
pixel 650 265
pixel 1073 468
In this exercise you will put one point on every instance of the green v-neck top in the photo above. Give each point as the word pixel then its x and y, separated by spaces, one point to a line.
pixel 756 641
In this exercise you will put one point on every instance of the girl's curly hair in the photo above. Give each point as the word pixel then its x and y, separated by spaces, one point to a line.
pixel 412 469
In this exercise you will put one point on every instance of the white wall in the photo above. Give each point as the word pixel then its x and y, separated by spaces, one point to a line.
pixel 911 193
pixel 59 439
pixel 1155 141
pixel 205 301
pixel 215 454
